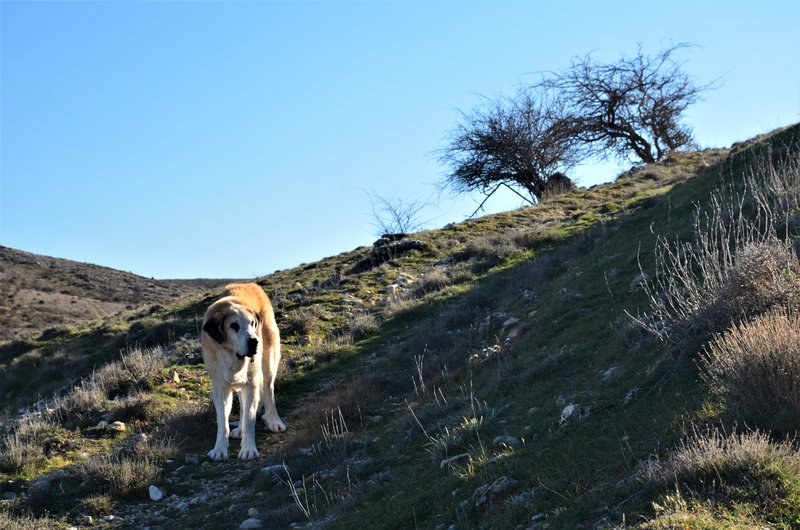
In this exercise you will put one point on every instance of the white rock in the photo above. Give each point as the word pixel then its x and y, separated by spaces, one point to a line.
pixel 252 512
pixel 250 523
pixel 118 426
pixel 611 372
pixel 182 506
pixel 156 493
pixel 511 322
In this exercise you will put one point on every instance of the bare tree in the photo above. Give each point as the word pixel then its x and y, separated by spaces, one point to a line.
pixel 396 215
pixel 632 106
pixel 519 142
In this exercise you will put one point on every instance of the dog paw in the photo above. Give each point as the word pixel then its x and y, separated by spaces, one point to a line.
pixel 236 433
pixel 248 453
pixel 218 454
pixel 274 424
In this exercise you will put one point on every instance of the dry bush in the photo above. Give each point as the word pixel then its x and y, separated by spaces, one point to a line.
pixel 138 405
pixel 492 249
pixel 432 280
pixel 80 404
pixel 755 369
pixel 300 323
pixel 737 266
pixel 363 325
pixel 119 476
pixel 399 305
pixel 727 469
pixel 135 368
pixel 25 445
pixel 129 471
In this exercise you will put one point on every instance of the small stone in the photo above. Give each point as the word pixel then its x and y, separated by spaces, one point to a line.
pixel 252 512
pixel 40 486
pixel 176 378
pixel 58 474
pixel 611 372
pixel 508 441
pixel 511 322
pixel 279 471
pixel 182 506
pixel 156 494
pixel 191 458
pixel 453 459
pixel 632 394
pixel 564 291
pixel 250 523
pixel 88 520
pixel 103 424
pixel 9 496
pixel 118 426
pixel 491 491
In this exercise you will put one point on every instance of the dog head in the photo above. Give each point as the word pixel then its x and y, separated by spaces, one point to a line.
pixel 235 327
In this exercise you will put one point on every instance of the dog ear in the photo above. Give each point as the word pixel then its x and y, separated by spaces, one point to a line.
pixel 215 327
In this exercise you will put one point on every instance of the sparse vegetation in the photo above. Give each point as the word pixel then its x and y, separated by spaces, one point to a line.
pixel 520 366
pixel 720 476
pixel 754 369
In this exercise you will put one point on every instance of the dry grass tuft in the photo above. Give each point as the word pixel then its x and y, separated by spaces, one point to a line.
pixel 128 472
pixel 716 469
pixel 755 369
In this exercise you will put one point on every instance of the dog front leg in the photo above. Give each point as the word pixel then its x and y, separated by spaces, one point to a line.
pixel 247 422
pixel 223 400
pixel 270 417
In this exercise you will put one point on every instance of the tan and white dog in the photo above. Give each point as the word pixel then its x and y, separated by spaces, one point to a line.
pixel 242 350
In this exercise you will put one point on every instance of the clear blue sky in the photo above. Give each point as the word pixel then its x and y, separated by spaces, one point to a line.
pixel 203 139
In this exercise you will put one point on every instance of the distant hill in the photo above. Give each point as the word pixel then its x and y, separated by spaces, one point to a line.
pixel 39 292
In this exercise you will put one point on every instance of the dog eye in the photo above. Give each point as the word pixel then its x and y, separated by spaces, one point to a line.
pixel 235 327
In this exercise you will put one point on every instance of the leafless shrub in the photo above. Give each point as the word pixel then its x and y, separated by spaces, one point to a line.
pixel 738 264
pixel 492 249
pixel 300 323
pixel 396 215
pixel 432 280
pixel 128 472
pixel 138 405
pixel 364 325
pixel 755 368
pixel 24 446
pixel 120 476
pixel 399 305
pixel 143 364
pixel 763 275
pixel 79 404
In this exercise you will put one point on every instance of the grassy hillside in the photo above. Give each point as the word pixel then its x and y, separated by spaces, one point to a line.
pixel 492 378
pixel 40 293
